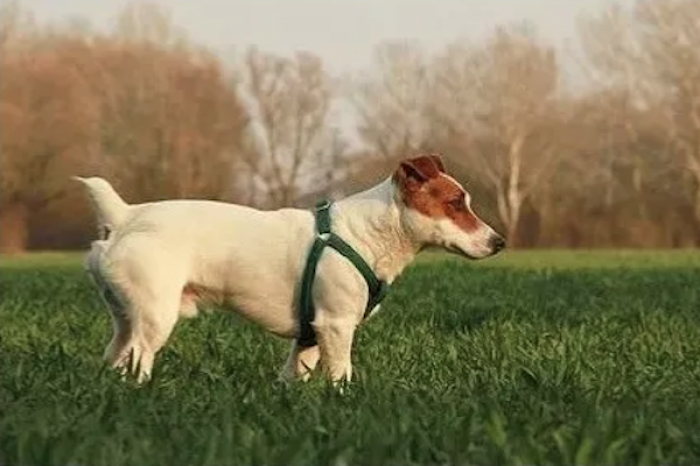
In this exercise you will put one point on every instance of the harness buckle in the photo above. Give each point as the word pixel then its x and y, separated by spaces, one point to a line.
pixel 324 204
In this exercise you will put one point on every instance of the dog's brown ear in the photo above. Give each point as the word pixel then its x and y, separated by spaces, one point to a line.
pixel 438 162
pixel 419 169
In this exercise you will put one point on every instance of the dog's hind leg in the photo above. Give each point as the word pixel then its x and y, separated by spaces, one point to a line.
pixel 145 302
pixel 153 307
pixel 114 354
pixel 158 320
pixel 141 329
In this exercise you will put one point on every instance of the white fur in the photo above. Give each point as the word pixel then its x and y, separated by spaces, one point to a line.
pixel 253 260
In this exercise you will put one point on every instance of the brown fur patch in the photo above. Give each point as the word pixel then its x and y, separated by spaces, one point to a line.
pixel 425 188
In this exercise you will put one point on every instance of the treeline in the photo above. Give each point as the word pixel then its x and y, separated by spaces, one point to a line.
pixel 598 147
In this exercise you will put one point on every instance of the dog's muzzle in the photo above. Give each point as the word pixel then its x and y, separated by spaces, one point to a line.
pixel 496 243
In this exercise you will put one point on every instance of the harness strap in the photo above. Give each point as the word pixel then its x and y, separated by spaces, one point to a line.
pixel 325 237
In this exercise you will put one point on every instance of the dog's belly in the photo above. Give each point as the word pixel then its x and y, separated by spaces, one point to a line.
pixel 273 314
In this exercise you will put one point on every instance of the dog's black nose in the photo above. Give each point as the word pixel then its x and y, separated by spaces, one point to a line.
pixel 497 242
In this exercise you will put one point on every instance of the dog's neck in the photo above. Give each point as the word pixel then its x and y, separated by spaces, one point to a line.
pixel 370 221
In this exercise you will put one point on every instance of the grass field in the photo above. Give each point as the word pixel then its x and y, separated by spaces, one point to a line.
pixel 531 358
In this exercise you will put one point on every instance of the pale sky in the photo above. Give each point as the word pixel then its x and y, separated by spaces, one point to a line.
pixel 342 32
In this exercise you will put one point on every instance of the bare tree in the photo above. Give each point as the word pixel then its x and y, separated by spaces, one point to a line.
pixel 291 132
pixel 653 51
pixel 391 102
pixel 146 22
pixel 170 119
pixel 611 159
pixel 498 106
pixel 13 20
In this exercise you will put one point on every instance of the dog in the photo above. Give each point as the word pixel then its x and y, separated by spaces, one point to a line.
pixel 155 262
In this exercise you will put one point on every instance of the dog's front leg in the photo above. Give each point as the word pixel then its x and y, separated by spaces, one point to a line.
pixel 335 344
pixel 300 363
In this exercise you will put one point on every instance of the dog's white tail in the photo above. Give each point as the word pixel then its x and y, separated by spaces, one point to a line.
pixel 110 208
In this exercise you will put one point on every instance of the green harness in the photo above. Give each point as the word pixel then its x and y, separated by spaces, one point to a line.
pixel 325 237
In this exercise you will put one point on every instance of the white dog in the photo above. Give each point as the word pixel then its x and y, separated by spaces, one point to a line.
pixel 157 261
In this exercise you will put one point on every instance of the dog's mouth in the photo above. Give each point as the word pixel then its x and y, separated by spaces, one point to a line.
pixel 454 249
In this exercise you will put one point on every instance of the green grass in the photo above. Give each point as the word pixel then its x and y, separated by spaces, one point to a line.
pixel 41 260
pixel 530 358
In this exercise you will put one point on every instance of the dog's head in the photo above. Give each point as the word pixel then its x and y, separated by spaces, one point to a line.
pixel 436 210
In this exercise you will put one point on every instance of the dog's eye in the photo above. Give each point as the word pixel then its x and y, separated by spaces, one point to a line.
pixel 457 203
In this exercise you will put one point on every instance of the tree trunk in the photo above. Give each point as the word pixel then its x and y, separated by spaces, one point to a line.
pixel 514 196
pixel 694 166
pixel 696 206
pixel 512 231
pixel 514 204
pixel 14 228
